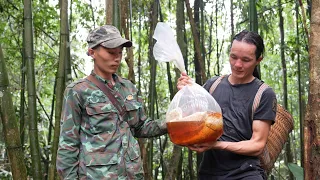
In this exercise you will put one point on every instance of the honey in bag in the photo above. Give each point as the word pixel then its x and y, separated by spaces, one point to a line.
pixel 194 117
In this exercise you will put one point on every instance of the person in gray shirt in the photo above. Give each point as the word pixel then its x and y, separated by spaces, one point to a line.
pixel 235 154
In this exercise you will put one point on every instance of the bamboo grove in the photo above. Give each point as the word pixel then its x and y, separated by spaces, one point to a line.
pixel 43 48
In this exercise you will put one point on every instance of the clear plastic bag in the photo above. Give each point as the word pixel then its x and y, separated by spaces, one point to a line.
pixel 192 99
pixel 193 115
pixel 166 49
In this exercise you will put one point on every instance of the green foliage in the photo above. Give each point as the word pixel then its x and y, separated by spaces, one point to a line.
pixel 5 175
pixel 216 43
pixel 296 170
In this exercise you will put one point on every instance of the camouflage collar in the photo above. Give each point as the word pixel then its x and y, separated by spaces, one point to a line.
pixel 115 77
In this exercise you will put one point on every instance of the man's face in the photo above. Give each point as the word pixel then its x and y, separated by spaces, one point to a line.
pixel 243 60
pixel 106 60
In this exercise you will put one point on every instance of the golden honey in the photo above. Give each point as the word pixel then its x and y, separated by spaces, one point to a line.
pixel 196 129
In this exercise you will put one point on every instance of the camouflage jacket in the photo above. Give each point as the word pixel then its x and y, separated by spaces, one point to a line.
pixel 95 141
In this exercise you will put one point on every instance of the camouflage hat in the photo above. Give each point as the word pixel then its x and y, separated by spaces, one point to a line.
pixel 107 36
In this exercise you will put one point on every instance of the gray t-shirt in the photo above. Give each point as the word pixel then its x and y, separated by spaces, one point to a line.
pixel 236 105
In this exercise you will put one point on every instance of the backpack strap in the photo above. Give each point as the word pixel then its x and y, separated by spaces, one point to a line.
pixel 107 92
pixel 264 157
pixel 215 84
pixel 258 96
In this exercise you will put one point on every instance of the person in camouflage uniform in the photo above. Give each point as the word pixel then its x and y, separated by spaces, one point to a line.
pixel 96 140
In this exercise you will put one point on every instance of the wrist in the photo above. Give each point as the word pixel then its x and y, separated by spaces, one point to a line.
pixel 221 145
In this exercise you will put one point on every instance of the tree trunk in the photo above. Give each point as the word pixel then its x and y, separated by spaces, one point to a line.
pixel 210 47
pixel 63 55
pixel 109 11
pixel 50 130
pixel 231 19
pixel 304 19
pixel 139 47
pixel 125 29
pixel 22 115
pixel 253 17
pixel 174 163
pixel 181 33
pixel 10 125
pixel 301 102
pixel 288 155
pixel 116 14
pixel 312 119
pixel 190 164
pixel 32 105
pixel 152 85
pixel 141 141
pixel 202 26
pixel 217 66
pixel 200 72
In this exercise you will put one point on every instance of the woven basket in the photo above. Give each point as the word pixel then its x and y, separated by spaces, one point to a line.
pixel 278 136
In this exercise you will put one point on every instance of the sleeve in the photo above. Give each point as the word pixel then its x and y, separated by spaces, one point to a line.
pixel 147 127
pixel 69 140
pixel 267 108
pixel 142 126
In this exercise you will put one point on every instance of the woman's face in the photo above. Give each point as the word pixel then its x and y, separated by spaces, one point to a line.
pixel 243 60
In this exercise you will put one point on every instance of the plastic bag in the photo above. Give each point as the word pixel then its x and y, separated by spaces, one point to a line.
pixel 166 48
pixel 193 115
pixel 191 99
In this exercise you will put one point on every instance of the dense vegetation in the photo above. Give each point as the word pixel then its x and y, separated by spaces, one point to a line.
pixel 216 22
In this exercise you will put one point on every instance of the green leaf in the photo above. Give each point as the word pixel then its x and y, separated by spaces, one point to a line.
pixel 296 170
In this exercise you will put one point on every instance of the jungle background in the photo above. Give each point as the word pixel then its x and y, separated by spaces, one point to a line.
pixel 43 48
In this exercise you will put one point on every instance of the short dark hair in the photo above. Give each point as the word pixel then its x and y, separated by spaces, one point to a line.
pixel 251 38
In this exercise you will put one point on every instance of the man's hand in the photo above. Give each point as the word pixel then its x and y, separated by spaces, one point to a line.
pixel 183 80
pixel 205 146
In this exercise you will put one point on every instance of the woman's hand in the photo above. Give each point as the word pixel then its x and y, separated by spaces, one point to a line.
pixel 183 80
